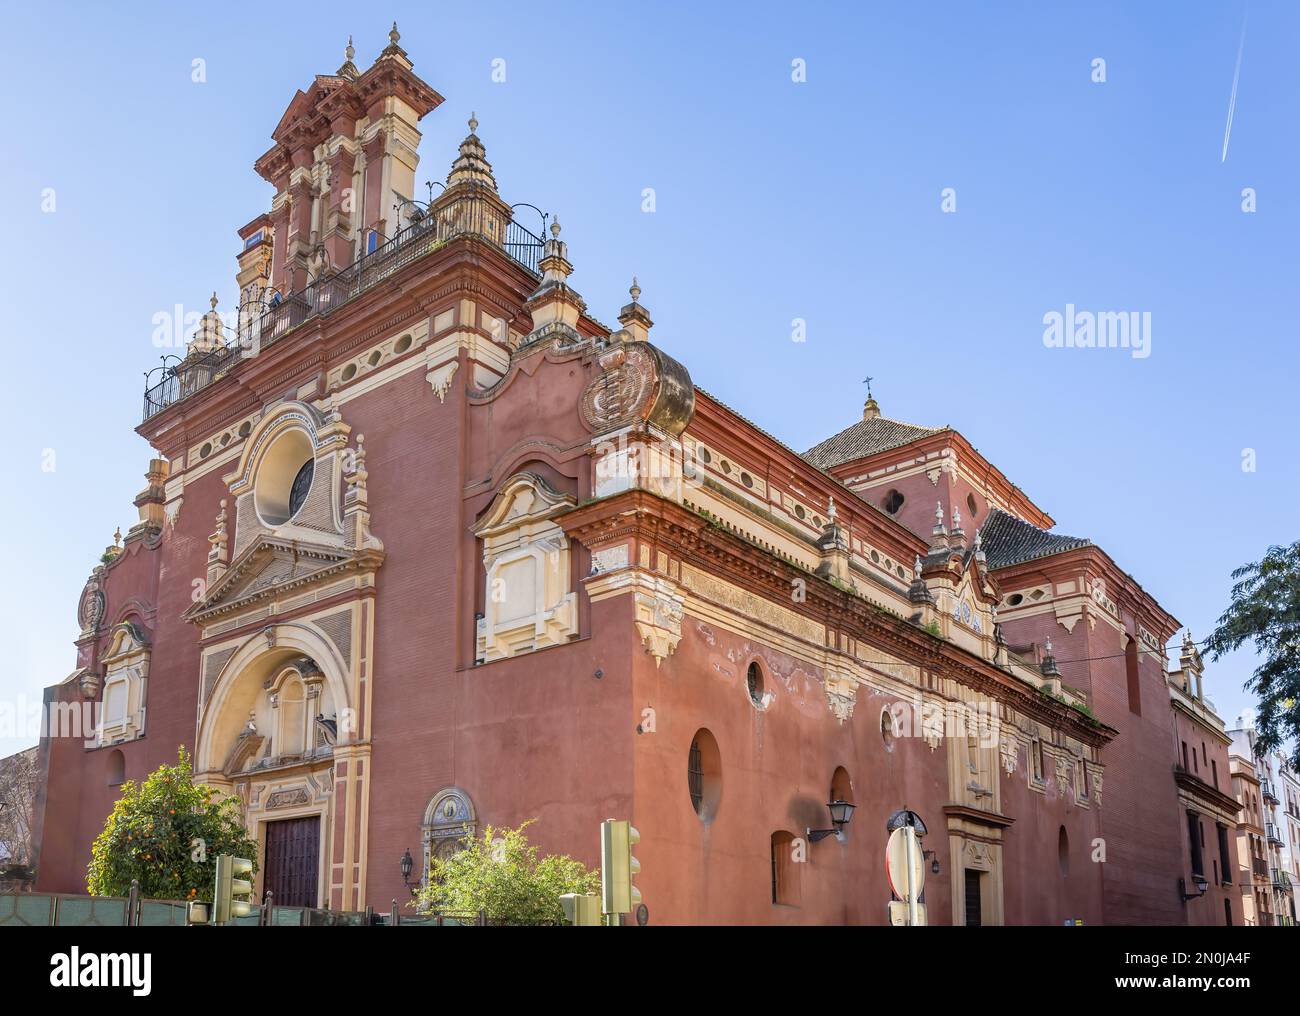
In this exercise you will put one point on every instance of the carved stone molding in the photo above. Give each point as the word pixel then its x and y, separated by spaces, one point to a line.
pixel 439 379
pixel 1010 754
pixel 658 613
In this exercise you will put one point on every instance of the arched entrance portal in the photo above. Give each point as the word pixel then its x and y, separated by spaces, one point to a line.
pixel 278 733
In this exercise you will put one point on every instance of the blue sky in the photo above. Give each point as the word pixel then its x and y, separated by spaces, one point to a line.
pixel 774 200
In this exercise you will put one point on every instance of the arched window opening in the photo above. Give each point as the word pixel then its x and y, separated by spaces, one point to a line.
pixel 704 774
pixel 1131 668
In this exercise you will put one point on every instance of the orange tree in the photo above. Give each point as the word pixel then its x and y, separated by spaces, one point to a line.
pixel 167 832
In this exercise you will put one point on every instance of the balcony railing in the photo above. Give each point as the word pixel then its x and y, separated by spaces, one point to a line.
pixel 1274 834
pixel 1260 866
pixel 1266 791
pixel 180 379
pixel 1281 880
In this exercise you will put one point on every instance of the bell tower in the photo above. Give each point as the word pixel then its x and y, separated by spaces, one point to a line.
pixel 343 165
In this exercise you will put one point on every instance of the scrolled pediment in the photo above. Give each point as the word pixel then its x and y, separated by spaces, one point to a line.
pixel 272 568
pixel 524 498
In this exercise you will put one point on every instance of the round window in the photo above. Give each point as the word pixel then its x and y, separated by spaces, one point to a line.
pixel 284 478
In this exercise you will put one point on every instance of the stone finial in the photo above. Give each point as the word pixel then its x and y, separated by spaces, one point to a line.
pixel 348 69
pixel 554 262
pixel 956 520
pixel 916 566
pixel 634 317
pixel 938 514
pixel 830 509
pixel 471 165
pixel 1048 666
pixel 213 301
pixel 117 538
pixel 393 49
pixel 870 409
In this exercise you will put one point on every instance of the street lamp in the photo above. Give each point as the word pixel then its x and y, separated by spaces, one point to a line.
pixel 841 812
pixel 407 863
pixel 1202 886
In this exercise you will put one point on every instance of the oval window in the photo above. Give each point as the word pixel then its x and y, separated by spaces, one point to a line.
pixel 704 774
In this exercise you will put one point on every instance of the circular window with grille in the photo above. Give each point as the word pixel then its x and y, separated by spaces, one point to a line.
pixel 284 478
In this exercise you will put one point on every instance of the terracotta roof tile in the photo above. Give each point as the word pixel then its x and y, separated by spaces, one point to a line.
pixel 1008 540
pixel 866 437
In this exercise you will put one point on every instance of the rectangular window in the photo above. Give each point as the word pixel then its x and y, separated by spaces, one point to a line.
pixel 1036 760
pixel 1131 670
pixel 1186 767
pixel 372 241
pixel 1214 770
pixel 974 901
pixel 1225 857
pixel 1194 838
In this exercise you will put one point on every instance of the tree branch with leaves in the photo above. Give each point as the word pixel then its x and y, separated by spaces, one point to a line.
pixel 1265 611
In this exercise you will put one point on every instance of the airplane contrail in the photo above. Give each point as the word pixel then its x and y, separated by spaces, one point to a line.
pixel 1232 101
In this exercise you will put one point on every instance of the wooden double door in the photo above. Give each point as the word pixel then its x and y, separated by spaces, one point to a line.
pixel 292 861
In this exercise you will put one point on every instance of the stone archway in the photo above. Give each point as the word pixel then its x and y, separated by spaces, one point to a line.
pixel 291 769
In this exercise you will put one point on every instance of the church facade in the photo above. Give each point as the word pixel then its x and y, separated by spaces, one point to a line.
pixel 427 547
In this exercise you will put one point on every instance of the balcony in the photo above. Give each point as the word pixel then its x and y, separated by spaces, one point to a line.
pixel 175 381
pixel 1281 880
pixel 1259 866
pixel 1275 835
pixel 1266 791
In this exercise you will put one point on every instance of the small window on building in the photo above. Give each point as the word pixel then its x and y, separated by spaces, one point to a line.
pixel 887 732
pixel 971 506
pixel 1194 838
pixel 1063 852
pixel 372 241
pixel 704 774
pixel 1036 760
pixel 841 786
pixel 755 684
pixel 893 501
pixel 116 768
pixel 1134 686
pixel 785 869
pixel 1227 912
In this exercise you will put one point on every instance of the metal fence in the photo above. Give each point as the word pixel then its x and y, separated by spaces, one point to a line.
pixel 71 911
pixel 263 326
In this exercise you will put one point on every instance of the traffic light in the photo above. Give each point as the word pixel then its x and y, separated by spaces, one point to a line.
pixel 581 910
pixel 229 885
pixel 618 867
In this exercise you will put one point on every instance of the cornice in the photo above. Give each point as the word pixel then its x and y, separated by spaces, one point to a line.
pixel 729 557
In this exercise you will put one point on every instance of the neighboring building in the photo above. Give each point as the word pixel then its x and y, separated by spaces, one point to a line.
pixel 556 580
pixel 1265 837
pixel 20 783
pixel 1203 776
pixel 1252 853
pixel 1290 820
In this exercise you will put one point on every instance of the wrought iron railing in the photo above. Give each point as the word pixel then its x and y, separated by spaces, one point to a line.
pixel 177 379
